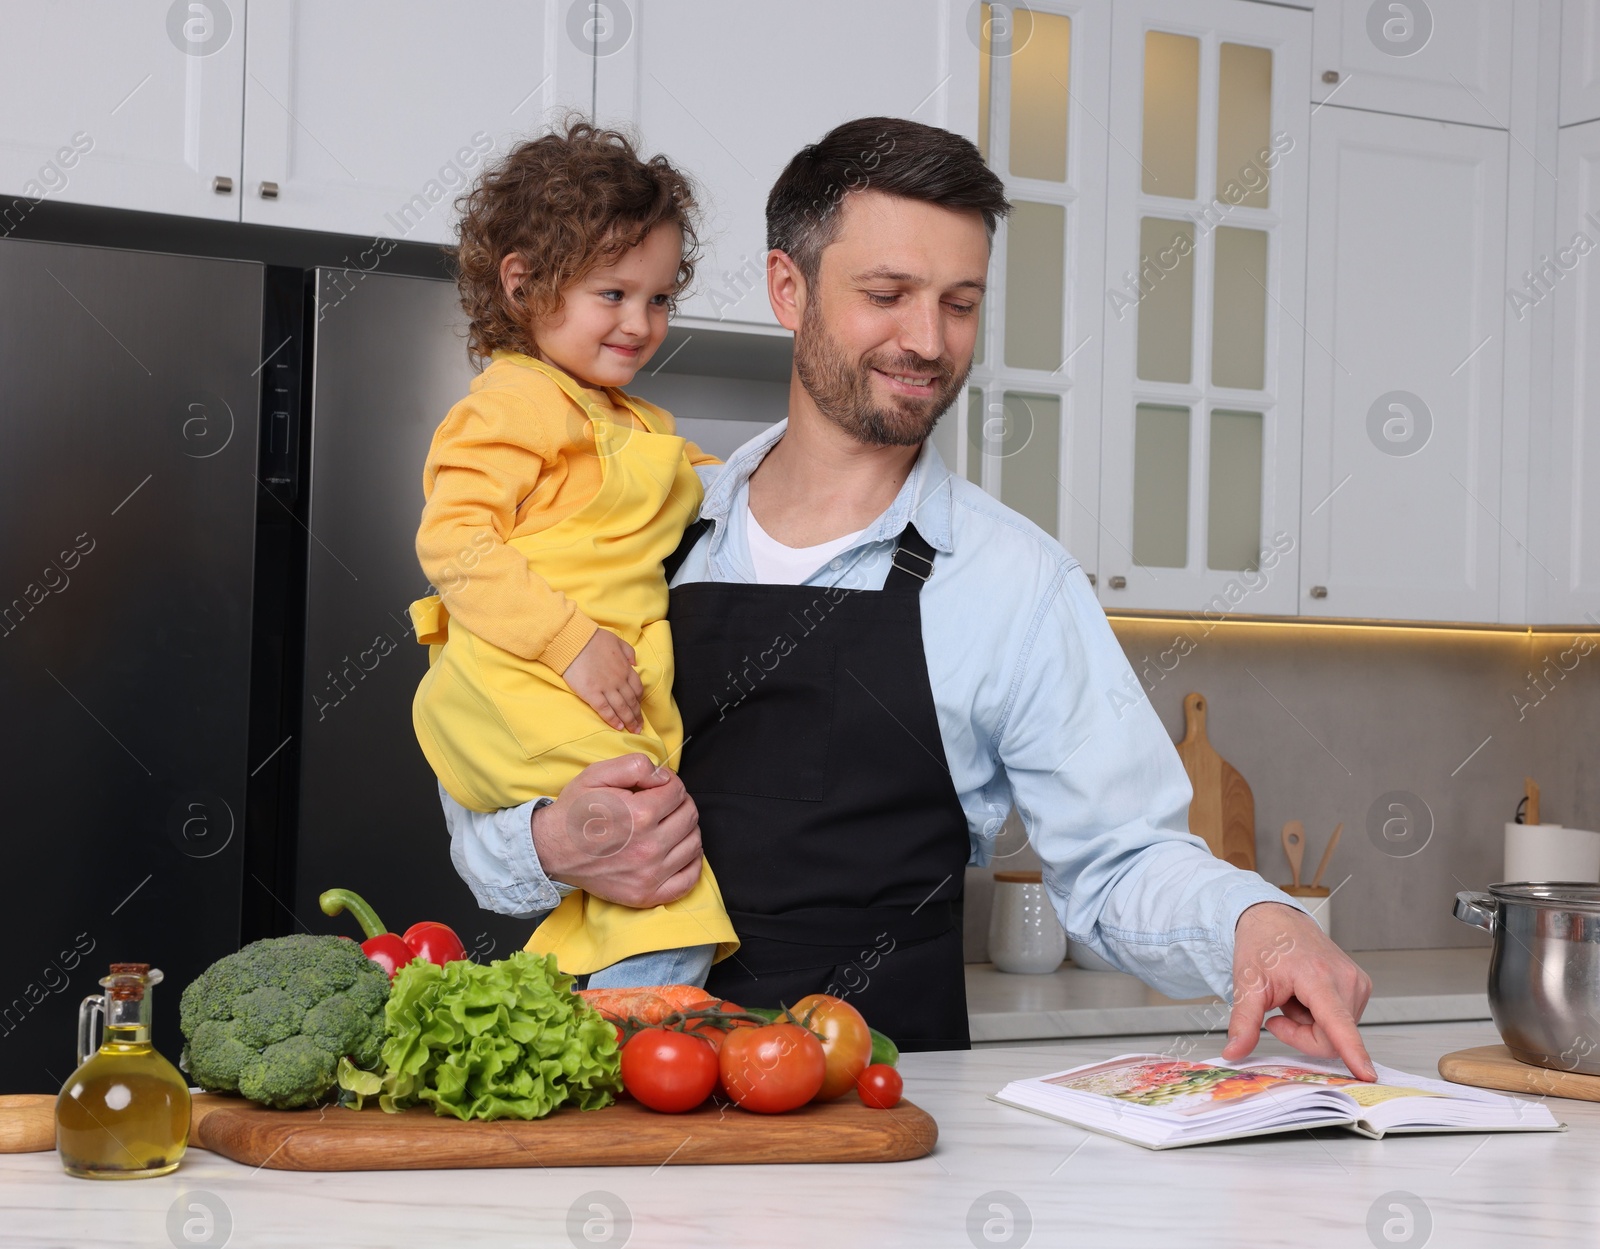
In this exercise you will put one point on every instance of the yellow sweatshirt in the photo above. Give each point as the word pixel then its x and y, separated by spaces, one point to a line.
pixel 514 457
pixel 549 510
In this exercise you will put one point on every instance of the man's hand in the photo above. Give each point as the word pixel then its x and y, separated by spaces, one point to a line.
pixel 623 830
pixel 604 677
pixel 1281 958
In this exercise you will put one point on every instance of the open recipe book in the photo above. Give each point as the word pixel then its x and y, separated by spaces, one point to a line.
pixel 1161 1102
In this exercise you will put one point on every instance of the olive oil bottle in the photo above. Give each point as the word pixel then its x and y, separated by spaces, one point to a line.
pixel 124 1113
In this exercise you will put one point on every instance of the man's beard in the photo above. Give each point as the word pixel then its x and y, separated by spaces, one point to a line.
pixel 842 388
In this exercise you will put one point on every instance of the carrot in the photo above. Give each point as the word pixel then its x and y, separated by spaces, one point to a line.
pixel 649 1005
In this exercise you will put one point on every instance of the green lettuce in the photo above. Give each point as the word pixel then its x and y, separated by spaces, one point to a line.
pixel 502 1040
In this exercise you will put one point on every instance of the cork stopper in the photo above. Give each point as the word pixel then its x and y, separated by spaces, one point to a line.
pixel 127 982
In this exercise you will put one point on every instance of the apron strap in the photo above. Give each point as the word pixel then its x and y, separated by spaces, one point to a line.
pixel 691 535
pixel 911 563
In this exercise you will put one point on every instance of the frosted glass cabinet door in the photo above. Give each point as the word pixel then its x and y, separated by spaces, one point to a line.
pixel 1204 290
pixel 1564 586
pixel 1032 423
pixel 123 104
pixel 1448 59
pixel 730 90
pixel 369 117
pixel 1405 321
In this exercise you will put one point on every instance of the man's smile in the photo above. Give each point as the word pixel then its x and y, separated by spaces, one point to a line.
pixel 907 383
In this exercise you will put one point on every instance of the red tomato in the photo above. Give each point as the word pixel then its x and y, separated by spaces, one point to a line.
pixel 772 1068
pixel 880 1086
pixel 846 1040
pixel 668 1071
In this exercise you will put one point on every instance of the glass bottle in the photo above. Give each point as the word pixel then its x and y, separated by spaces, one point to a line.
pixel 124 1113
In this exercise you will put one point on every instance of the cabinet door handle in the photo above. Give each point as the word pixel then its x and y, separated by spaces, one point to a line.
pixel 1119 583
pixel 269 190
pixel 222 185
pixel 1330 75
pixel 1092 581
pixel 1319 591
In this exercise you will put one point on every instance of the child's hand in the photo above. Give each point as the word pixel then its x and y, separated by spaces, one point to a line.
pixel 603 676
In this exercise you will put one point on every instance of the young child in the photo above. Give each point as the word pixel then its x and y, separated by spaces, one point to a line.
pixel 551 499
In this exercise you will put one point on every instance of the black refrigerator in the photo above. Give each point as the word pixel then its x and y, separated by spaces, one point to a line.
pixel 388 359
pixel 210 482
pixel 129 386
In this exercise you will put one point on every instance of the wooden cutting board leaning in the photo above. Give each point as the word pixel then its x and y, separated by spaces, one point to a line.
pixel 1223 811
pixel 627 1134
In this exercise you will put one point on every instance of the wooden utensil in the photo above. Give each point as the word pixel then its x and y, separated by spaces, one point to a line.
pixel 27 1123
pixel 1530 790
pixel 1294 847
pixel 28 1120
pixel 1493 1067
pixel 626 1134
pixel 1327 856
pixel 1223 810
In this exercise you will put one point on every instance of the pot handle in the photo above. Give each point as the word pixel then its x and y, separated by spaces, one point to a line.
pixel 1477 909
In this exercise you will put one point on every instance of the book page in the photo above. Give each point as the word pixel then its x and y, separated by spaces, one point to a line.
pixel 1180 1087
pixel 1359 1091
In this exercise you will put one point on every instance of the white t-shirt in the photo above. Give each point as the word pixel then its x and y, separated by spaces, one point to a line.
pixel 776 564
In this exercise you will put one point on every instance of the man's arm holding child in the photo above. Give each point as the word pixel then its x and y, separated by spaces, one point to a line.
pixel 623 830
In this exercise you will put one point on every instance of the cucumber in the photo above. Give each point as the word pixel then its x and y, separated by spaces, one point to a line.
pixel 883 1049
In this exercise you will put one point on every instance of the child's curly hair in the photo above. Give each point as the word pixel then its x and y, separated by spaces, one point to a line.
pixel 566 203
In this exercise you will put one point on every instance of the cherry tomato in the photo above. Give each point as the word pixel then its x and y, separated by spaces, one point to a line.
pixel 668 1071
pixel 773 1068
pixel 846 1040
pixel 880 1086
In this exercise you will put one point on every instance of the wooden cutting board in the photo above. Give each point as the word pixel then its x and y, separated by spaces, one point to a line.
pixel 627 1134
pixel 1223 811
pixel 1493 1067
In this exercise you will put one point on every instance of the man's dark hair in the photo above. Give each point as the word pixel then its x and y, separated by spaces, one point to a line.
pixel 888 154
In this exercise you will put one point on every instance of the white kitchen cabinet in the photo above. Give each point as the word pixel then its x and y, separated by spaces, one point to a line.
pixel 1448 59
pixel 369 118
pixel 1564 583
pixel 1580 61
pixel 125 103
pixel 1405 329
pixel 730 90
pixel 1204 283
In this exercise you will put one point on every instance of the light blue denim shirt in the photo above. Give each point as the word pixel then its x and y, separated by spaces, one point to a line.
pixel 1033 697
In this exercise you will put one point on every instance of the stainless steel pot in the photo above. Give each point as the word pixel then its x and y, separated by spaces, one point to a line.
pixel 1544 973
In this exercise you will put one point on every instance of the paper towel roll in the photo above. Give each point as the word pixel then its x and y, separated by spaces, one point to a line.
pixel 1548 852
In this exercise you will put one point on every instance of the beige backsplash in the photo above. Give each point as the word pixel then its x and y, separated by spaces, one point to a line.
pixel 1325 721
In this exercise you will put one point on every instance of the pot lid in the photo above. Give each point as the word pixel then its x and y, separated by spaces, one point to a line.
pixel 1567 894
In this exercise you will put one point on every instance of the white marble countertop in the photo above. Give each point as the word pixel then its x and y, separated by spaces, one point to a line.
pixel 1066 1186
pixel 1408 986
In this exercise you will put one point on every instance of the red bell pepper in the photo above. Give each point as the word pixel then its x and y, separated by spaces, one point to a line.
pixel 437 943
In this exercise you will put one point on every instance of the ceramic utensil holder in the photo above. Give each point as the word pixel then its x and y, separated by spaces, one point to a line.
pixel 1318 899
pixel 1024 934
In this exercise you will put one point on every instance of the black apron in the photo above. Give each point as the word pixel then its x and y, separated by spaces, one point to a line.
pixel 812 750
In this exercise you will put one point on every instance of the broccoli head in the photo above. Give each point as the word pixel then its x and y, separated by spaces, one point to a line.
pixel 272 1021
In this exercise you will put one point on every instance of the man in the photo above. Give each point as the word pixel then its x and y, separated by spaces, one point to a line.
pixel 873 656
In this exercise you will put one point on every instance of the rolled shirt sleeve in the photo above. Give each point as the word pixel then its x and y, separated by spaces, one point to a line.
pixel 1105 800
pixel 493 853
